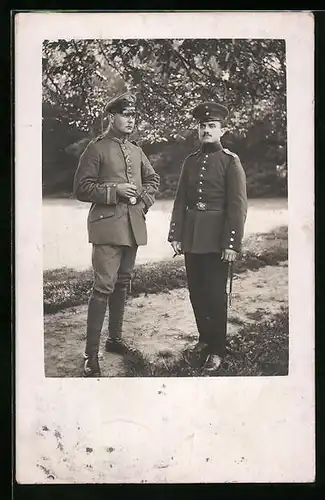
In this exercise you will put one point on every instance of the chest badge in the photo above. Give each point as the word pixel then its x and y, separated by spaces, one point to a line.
pixel 132 200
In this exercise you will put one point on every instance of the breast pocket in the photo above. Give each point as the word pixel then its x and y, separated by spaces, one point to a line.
pixel 101 212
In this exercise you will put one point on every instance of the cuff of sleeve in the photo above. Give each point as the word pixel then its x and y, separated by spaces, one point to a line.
pixel 111 194
pixel 148 200
pixel 173 234
pixel 144 206
pixel 230 240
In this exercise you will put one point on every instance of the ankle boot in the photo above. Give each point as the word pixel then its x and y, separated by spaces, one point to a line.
pixel 96 313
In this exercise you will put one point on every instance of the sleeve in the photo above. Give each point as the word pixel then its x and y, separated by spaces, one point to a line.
pixel 179 209
pixel 150 182
pixel 86 180
pixel 236 205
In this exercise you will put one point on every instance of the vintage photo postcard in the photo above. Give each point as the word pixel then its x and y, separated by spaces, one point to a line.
pixel 164 234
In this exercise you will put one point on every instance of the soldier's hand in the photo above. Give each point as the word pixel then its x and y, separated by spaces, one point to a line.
pixel 177 247
pixel 126 190
pixel 228 255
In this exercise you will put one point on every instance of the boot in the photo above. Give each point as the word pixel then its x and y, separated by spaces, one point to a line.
pixel 198 355
pixel 213 363
pixel 114 343
pixel 96 313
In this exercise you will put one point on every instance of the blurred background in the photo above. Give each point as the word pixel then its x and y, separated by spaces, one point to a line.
pixel 169 78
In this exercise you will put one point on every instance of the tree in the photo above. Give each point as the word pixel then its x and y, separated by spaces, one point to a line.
pixel 169 78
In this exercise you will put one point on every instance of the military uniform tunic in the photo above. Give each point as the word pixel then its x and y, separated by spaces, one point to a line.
pixel 105 163
pixel 214 178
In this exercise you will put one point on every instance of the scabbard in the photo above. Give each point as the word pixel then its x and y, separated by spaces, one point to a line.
pixel 230 282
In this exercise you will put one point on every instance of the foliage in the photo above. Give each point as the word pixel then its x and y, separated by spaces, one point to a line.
pixel 169 77
pixel 66 287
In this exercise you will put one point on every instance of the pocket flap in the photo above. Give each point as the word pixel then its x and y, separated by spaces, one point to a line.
pixel 101 212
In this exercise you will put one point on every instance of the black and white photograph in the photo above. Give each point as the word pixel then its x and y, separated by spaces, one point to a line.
pixel 164 236
pixel 165 207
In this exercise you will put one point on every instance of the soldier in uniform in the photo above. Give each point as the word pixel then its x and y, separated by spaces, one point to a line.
pixel 117 178
pixel 207 225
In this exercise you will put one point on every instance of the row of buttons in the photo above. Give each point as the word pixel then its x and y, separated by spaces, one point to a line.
pixel 232 239
pixel 128 163
pixel 203 168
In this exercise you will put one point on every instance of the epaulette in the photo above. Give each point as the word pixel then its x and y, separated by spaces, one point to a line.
pixel 101 136
pixel 228 152
pixel 193 154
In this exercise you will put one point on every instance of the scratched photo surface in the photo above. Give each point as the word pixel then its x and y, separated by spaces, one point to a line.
pixel 155 414
pixel 169 78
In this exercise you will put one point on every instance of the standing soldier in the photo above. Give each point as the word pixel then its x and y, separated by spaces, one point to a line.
pixel 207 225
pixel 114 175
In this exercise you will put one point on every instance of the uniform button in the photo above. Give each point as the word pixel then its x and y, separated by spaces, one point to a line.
pixel 204 161
pixel 201 175
pixel 206 156
pixel 200 183
pixel 200 190
pixel 203 168
pixel 101 216
pixel 231 239
pixel 231 246
pixel 232 232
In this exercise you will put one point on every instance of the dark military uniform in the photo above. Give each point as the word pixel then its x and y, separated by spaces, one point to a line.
pixel 116 226
pixel 208 216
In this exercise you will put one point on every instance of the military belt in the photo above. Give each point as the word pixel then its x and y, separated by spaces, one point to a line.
pixel 205 206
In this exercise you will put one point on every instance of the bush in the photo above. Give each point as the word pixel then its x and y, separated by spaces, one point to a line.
pixel 66 287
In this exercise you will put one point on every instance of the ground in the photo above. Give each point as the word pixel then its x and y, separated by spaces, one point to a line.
pixel 161 325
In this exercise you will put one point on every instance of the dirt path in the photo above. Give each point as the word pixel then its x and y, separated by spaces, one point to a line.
pixel 160 325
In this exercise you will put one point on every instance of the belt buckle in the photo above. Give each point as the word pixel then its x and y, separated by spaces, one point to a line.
pixel 132 200
pixel 201 206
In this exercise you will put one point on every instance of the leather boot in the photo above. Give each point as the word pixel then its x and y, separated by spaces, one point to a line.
pixel 96 313
pixel 116 302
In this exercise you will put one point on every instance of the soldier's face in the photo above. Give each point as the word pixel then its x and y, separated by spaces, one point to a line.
pixel 124 122
pixel 210 131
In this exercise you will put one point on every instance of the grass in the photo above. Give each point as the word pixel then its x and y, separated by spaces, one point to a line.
pixel 257 350
pixel 66 287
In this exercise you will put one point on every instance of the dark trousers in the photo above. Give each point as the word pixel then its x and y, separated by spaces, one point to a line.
pixel 207 281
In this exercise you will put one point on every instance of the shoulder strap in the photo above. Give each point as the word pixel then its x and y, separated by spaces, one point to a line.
pixel 228 152
pixel 100 137
pixel 192 154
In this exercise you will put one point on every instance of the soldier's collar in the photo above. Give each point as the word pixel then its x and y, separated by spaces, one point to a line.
pixel 211 147
pixel 116 136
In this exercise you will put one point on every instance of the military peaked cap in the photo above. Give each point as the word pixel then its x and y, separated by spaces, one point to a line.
pixel 209 111
pixel 121 103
